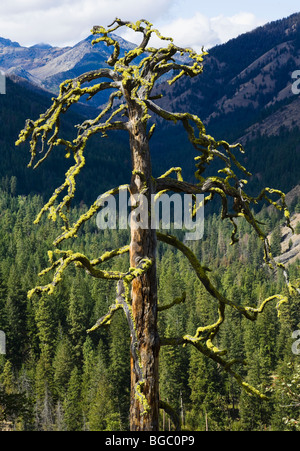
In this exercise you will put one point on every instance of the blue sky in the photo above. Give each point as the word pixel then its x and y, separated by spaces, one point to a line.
pixel 192 23
pixel 265 10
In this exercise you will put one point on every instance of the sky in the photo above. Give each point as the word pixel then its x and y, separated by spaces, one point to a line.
pixel 192 23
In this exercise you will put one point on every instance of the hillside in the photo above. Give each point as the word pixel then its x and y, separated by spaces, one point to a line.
pixel 24 100
pixel 244 94
pixel 48 66
pixel 290 244
pixel 252 71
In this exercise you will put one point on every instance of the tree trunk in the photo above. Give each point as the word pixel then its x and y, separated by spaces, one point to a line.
pixel 144 416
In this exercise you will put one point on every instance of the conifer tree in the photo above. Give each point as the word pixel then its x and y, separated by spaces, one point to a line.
pixel 3 293
pixel 286 390
pixel 77 322
pixel 44 390
pixel 72 405
pixel 63 364
pixel 15 318
pixel 119 367
pixel 276 241
pixel 46 330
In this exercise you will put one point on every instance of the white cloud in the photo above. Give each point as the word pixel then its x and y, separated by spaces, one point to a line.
pixel 60 22
pixel 230 27
pixel 65 22
pixel 192 32
pixel 199 30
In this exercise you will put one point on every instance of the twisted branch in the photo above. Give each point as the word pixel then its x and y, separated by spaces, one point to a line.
pixel 208 333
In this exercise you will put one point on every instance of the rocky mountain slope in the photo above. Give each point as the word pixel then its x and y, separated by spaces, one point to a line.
pixel 244 94
pixel 48 66
pixel 290 242
pixel 251 72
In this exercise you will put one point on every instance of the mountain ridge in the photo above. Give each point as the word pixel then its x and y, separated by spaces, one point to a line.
pixel 244 94
pixel 49 66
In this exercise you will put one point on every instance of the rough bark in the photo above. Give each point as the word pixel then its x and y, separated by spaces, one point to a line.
pixel 144 416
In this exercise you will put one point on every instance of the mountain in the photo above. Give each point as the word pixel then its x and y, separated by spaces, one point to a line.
pixel 49 66
pixel 248 72
pixel 25 100
pixel 8 43
pixel 244 94
pixel 20 72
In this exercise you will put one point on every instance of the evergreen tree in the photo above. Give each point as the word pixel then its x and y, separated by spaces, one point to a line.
pixel 72 406
pixel 286 389
pixel 102 412
pixel 172 369
pixel 3 293
pixel 119 368
pixel 63 364
pixel 276 241
pixel 77 319
pixel 44 398
pixel 15 310
pixel 207 397
pixel 46 329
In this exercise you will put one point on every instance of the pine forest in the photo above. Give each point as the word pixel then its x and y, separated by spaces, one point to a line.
pixel 56 377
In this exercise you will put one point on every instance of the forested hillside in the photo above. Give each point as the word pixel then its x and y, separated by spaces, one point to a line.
pixel 102 169
pixel 244 94
pixel 57 377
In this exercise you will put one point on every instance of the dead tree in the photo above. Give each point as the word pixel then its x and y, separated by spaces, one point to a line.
pixel 131 107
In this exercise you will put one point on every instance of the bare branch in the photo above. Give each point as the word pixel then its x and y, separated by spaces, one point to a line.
pixel 172 414
pixel 177 301
pixel 106 319
pixel 216 357
pixel 70 232
pixel 201 272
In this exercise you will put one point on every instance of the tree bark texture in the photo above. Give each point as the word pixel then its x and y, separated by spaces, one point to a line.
pixel 144 289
